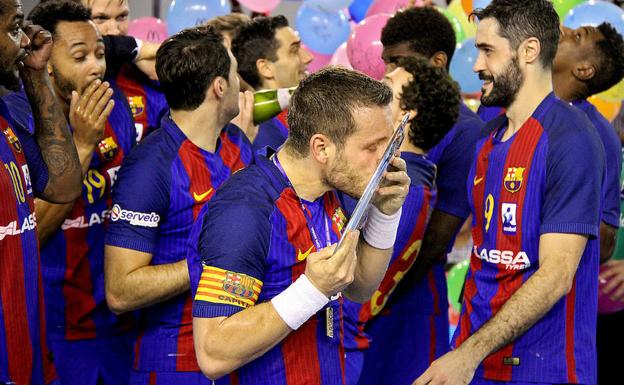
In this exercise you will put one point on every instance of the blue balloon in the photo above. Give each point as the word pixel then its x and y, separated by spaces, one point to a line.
pixel 595 13
pixel 461 67
pixel 358 9
pixel 476 4
pixel 328 5
pixel 322 31
pixel 190 13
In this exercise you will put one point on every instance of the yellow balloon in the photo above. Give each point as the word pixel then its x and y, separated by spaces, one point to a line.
pixel 473 104
pixel 455 8
pixel 608 109
pixel 613 94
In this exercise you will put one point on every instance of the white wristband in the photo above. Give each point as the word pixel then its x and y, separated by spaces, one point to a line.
pixel 381 229
pixel 300 301
pixel 139 44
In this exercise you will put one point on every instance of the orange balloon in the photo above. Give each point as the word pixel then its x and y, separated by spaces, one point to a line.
pixel 467 6
pixel 608 109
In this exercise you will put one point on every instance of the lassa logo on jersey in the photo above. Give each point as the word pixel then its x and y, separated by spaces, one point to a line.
pixel 134 217
pixel 84 222
pixel 511 260
pixel 30 222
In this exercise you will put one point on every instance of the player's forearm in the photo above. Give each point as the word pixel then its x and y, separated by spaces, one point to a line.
pixel 145 286
pixel 608 235
pixel 371 268
pixel 54 139
pixel 523 309
pixel 227 344
pixel 50 217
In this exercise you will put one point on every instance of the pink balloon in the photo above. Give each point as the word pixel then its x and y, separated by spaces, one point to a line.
pixel 341 57
pixel 319 60
pixel 605 304
pixel 388 6
pixel 148 29
pixel 262 6
pixel 364 46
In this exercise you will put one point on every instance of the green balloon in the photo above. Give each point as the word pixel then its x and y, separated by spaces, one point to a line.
pixel 455 282
pixel 460 35
pixel 564 6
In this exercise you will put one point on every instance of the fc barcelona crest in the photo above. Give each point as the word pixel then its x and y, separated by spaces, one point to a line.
pixel 10 135
pixel 136 105
pixel 339 219
pixel 108 148
pixel 513 179
pixel 239 285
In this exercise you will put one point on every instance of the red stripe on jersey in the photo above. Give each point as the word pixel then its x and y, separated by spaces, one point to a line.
pixel 152 378
pixel 137 98
pixel 185 340
pixel 570 311
pixel 520 154
pixel 234 378
pixel 230 153
pixel 283 118
pixel 300 354
pixel 137 350
pixel 198 174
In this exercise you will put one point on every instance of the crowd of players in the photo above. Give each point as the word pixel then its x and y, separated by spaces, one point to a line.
pixel 214 257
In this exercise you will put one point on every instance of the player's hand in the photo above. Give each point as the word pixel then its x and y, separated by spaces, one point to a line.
pixel 393 188
pixel 244 119
pixel 88 113
pixel 614 275
pixel 331 270
pixel 40 48
pixel 456 367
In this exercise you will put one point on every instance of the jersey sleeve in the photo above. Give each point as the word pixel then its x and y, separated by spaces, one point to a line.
pixel 231 247
pixel 613 160
pixel 269 134
pixel 140 202
pixel 574 175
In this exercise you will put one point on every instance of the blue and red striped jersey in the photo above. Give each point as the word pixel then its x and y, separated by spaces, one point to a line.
pixel 73 257
pixel 613 161
pixel 179 178
pixel 488 113
pixel 146 100
pixel 273 132
pixel 252 244
pixel 453 157
pixel 429 297
pixel 544 179
pixel 24 356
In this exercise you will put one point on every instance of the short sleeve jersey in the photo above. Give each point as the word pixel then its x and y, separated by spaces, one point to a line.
pixel 272 133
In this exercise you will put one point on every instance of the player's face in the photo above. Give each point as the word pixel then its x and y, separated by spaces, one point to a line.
pixel 292 59
pixel 77 57
pixel 110 16
pixel 13 42
pixel 356 162
pixel 390 55
pixel 397 79
pixel 497 65
pixel 575 46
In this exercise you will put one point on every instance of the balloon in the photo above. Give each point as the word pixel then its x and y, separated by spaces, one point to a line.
pixel 328 5
pixel 470 5
pixel 613 94
pixel 386 6
pixel 190 13
pixel 473 104
pixel 148 29
pixel 457 27
pixel 562 7
pixel 455 9
pixel 461 67
pixel 322 31
pixel 364 46
pixel 455 282
pixel 594 13
pixel 261 6
pixel 608 109
pixel 341 57
pixel 320 60
pixel 605 304
pixel 358 9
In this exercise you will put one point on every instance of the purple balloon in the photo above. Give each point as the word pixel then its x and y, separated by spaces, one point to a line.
pixel 605 304
pixel 364 46
pixel 148 29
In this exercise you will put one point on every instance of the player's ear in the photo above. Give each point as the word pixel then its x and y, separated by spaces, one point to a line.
pixel 265 69
pixel 529 50
pixel 321 148
pixel 439 59
pixel 584 71
pixel 219 86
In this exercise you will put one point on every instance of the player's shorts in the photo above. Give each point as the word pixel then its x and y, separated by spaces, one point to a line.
pixel 101 361
pixel 169 378
pixel 402 347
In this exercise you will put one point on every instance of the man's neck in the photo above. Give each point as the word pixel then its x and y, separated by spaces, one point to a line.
pixel 201 126
pixel 567 89
pixel 303 174
pixel 408 146
pixel 529 97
